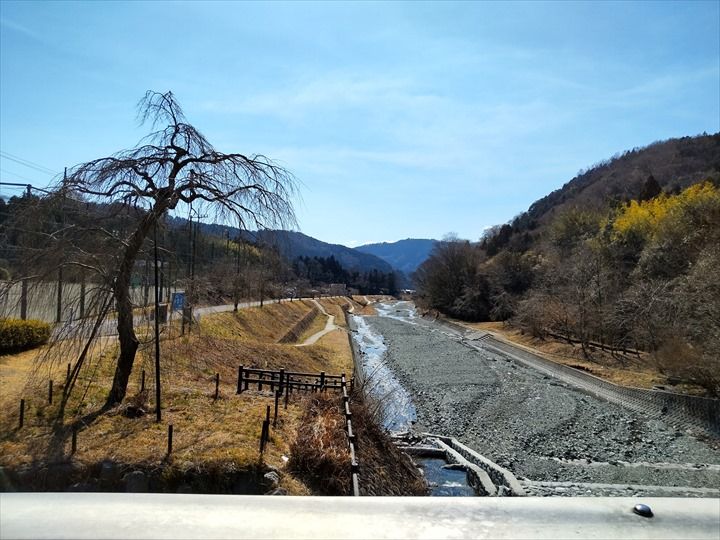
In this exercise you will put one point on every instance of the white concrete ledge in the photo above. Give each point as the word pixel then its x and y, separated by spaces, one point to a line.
pixel 120 515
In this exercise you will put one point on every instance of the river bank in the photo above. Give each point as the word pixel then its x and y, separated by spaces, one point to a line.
pixel 541 429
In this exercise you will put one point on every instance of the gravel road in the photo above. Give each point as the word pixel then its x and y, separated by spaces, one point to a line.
pixel 549 434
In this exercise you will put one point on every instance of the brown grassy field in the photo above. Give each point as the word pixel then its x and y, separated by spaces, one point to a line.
pixel 207 432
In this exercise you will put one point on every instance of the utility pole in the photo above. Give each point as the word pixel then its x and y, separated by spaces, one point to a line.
pixel 158 413
pixel 58 315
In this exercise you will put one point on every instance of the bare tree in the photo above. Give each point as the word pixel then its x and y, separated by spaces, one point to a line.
pixel 172 167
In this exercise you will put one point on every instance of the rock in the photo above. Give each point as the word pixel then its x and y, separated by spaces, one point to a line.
pixel 272 478
pixel 82 487
pixel 109 471
pixel 136 482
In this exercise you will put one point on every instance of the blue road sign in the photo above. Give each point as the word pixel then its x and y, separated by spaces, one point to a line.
pixel 178 301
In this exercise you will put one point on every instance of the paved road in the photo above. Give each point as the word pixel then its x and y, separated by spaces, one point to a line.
pixel 109 326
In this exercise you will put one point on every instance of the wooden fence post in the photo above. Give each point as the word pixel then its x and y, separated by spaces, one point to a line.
pixel 282 380
pixel 322 380
pixel 261 377
pixel 263 435
pixel 240 378
pixel 50 389
pixel 22 413
pixel 170 439
pixel 277 398
pixel 287 394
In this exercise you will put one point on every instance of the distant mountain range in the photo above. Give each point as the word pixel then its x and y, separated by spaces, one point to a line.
pixel 405 255
pixel 293 244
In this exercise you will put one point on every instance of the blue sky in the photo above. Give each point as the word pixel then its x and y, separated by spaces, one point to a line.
pixel 399 119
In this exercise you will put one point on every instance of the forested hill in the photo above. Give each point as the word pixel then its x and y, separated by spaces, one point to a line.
pixel 405 255
pixel 295 244
pixel 292 245
pixel 674 164
pixel 639 173
pixel 625 255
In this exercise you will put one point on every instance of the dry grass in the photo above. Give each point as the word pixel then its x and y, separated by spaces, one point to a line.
pixel 206 432
pixel 364 307
pixel 334 350
pixel 320 454
pixel 267 323
pixel 337 307
pixel 384 468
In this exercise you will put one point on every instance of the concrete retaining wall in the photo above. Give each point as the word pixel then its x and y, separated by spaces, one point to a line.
pixel 299 327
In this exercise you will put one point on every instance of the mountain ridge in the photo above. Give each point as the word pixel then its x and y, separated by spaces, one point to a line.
pixel 405 255
pixel 293 244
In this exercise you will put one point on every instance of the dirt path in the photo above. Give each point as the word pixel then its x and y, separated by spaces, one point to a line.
pixel 329 327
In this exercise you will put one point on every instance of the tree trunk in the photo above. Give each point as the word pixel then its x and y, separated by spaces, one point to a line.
pixel 126 335
pixel 121 291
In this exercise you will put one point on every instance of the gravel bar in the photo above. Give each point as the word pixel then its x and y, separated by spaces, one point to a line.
pixel 540 428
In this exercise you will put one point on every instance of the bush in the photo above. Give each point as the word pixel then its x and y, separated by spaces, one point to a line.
pixel 18 335
pixel 320 455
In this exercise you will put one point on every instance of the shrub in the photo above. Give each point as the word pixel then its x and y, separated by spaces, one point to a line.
pixel 18 335
pixel 319 454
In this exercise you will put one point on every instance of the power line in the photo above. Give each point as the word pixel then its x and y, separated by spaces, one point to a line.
pixel 16 174
pixel 28 163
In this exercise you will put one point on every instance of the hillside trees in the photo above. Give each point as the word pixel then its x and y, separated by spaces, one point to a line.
pixel 642 275
pixel 323 271
pixel 450 280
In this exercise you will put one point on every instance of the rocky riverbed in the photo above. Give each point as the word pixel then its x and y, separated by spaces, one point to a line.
pixel 547 433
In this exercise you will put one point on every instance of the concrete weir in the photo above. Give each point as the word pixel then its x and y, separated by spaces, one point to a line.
pixel 484 476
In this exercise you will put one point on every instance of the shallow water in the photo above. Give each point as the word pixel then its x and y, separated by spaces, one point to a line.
pixel 398 410
pixel 444 482
pixel 400 311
